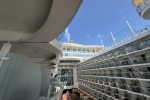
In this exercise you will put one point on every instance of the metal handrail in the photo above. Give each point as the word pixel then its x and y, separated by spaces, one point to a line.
pixel 139 60
pixel 140 8
pixel 143 90
pixel 145 75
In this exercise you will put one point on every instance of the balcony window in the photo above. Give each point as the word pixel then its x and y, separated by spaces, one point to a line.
pixel 122 51
pixel 147 43
pixel 137 47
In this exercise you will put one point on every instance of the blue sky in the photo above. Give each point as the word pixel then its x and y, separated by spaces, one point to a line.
pixel 97 18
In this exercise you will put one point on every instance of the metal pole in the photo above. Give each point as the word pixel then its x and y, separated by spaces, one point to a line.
pixel 113 38
pixel 131 28
pixel 102 42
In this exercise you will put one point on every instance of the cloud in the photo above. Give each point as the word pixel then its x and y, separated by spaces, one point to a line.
pixel 67 34
pixel 100 36
pixel 88 35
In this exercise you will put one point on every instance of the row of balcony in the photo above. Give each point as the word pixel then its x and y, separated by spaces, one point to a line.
pixel 140 60
pixel 114 93
pixel 108 94
pixel 125 50
pixel 118 85
pixel 111 82
pixel 142 75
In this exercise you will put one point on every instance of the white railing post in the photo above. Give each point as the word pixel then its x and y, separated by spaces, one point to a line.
pixel 5 49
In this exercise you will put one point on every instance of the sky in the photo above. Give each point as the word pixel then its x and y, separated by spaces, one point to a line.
pixel 97 18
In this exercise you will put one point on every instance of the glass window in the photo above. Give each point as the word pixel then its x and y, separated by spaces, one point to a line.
pixel 137 47
pixel 122 51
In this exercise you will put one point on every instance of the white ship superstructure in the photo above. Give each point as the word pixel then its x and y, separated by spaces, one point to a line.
pixel 121 72
pixel 74 50
pixel 72 55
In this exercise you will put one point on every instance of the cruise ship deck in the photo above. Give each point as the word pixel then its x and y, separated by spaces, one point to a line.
pixel 35 65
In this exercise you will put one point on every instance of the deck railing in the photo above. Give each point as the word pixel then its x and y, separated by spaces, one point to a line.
pixel 55 90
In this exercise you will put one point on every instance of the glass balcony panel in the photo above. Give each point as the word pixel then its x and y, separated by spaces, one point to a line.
pixel 146 90
pixel 104 74
pixel 106 65
pixel 100 82
pixel 99 74
pixel 122 51
pixel 140 8
pixel 145 75
pixel 117 63
pixel 102 90
pixel 123 63
pixel 117 96
pixel 109 93
pixel 113 84
pixel 140 60
pixel 106 83
pixel 137 47
pixel 146 44
pixel 122 86
pixel 110 74
pixel 134 88
pixel 55 90
pixel 127 98
pixel 129 75
pixel 130 49
pixel 119 74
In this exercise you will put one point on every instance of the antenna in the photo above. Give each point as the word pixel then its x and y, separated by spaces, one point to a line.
pixel 102 42
pixel 121 40
pixel 113 38
pixel 134 34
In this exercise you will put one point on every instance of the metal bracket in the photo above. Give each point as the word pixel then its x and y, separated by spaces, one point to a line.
pixel 5 49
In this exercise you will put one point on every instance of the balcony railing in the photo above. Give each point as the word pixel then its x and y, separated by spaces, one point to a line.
pixel 141 7
pixel 126 98
pixel 115 95
pixel 134 48
pixel 146 90
pixel 113 84
pixel 123 86
pixel 133 74
pixel 134 88
pixel 134 61
pixel 55 90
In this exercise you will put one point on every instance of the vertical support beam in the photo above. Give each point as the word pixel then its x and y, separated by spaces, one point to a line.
pixel 113 38
pixel 134 34
pixel 74 78
pixel 5 49
pixel 102 43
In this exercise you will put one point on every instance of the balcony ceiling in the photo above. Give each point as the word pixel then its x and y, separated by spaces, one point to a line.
pixel 35 20
pixel 24 15
pixel 31 25
pixel 61 14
